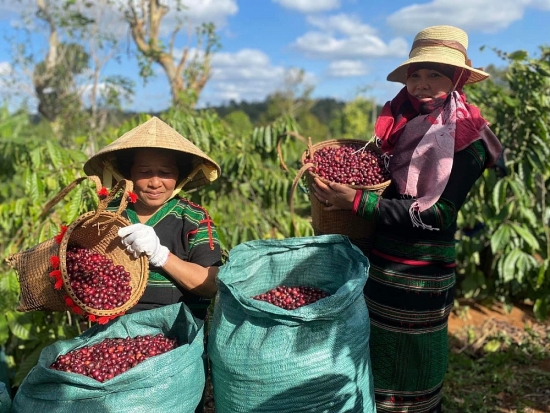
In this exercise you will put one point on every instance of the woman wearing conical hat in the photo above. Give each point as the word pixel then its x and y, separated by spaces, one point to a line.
pixel 178 236
pixel 438 145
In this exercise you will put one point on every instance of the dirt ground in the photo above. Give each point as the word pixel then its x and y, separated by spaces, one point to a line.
pixel 518 325
pixel 472 314
pixel 483 322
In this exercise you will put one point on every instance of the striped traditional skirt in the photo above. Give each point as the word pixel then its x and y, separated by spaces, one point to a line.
pixel 409 307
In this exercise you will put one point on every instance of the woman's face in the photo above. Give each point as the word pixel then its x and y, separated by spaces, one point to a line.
pixel 426 84
pixel 154 174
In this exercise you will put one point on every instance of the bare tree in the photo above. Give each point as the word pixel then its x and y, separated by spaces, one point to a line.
pixel 188 73
pixel 72 93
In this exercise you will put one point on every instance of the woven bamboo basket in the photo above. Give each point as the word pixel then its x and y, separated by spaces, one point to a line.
pixel 96 230
pixel 323 221
pixel 36 286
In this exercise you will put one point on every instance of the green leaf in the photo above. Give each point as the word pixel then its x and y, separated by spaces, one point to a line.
pixel 517 187
pixel 529 214
pixel 267 138
pixel 492 346
pixel 19 330
pixel 34 191
pixel 44 232
pixel 27 178
pixel 500 238
pixel 19 206
pixel 510 270
pixel 543 269
pixel 36 157
pixel 55 154
pixel 526 235
pixel 541 309
pixel 4 330
pixel 255 134
pixel 499 194
pixel 74 204
pixel 29 362
pixel 542 71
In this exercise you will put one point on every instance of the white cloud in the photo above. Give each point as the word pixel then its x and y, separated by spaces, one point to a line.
pixel 6 71
pixel 481 15
pixel 15 90
pixel 343 23
pixel 197 11
pixel 309 6
pixel 245 75
pixel 192 15
pixel 194 12
pixel 541 4
pixel 5 68
pixel 347 68
pixel 86 92
pixel 215 11
pixel 345 37
pixel 15 7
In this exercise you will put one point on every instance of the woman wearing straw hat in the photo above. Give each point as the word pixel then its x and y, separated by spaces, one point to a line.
pixel 438 146
pixel 178 236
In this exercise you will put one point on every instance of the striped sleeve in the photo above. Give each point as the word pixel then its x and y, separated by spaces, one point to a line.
pixel 468 165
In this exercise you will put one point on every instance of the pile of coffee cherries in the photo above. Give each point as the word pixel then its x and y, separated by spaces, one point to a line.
pixel 291 298
pixel 113 356
pixel 350 164
pixel 96 281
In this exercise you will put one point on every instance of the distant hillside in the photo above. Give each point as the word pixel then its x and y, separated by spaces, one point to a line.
pixel 324 109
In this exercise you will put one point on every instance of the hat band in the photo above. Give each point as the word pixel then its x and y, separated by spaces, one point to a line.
pixel 445 43
pixel 434 42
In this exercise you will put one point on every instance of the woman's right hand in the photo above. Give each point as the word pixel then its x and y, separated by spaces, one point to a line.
pixel 140 238
pixel 334 196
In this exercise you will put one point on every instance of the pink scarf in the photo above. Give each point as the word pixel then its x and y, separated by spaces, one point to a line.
pixel 422 142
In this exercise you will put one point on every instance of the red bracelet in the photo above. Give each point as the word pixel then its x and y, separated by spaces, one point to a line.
pixel 357 201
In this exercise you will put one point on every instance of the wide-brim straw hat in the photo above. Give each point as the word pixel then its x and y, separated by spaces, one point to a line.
pixel 154 134
pixel 439 44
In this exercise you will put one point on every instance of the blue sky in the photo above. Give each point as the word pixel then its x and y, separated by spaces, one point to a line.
pixel 343 46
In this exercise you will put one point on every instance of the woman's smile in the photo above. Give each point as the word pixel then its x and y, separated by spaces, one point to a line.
pixel 153 195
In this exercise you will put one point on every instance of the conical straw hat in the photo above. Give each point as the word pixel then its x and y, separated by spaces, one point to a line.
pixel 154 134
pixel 439 44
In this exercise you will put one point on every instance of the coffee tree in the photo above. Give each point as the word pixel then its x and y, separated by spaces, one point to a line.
pixel 34 168
pixel 509 258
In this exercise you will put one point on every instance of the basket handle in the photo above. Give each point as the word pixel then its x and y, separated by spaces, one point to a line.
pixel 310 150
pixel 279 149
pixel 62 193
pixel 124 185
pixel 297 178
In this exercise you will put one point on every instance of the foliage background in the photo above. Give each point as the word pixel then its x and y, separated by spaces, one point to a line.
pixel 504 248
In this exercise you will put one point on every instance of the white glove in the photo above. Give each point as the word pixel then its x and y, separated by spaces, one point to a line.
pixel 139 238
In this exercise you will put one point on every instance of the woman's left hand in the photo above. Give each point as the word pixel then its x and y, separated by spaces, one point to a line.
pixel 334 196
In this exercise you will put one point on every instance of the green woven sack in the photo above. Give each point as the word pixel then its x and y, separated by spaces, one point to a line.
pixel 5 399
pixel 313 359
pixel 170 382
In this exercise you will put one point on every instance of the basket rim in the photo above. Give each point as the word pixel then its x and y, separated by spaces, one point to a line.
pixel 337 143
pixel 144 264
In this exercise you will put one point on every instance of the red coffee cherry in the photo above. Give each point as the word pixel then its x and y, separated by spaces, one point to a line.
pixel 291 298
pixel 350 164
pixel 96 280
pixel 113 356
